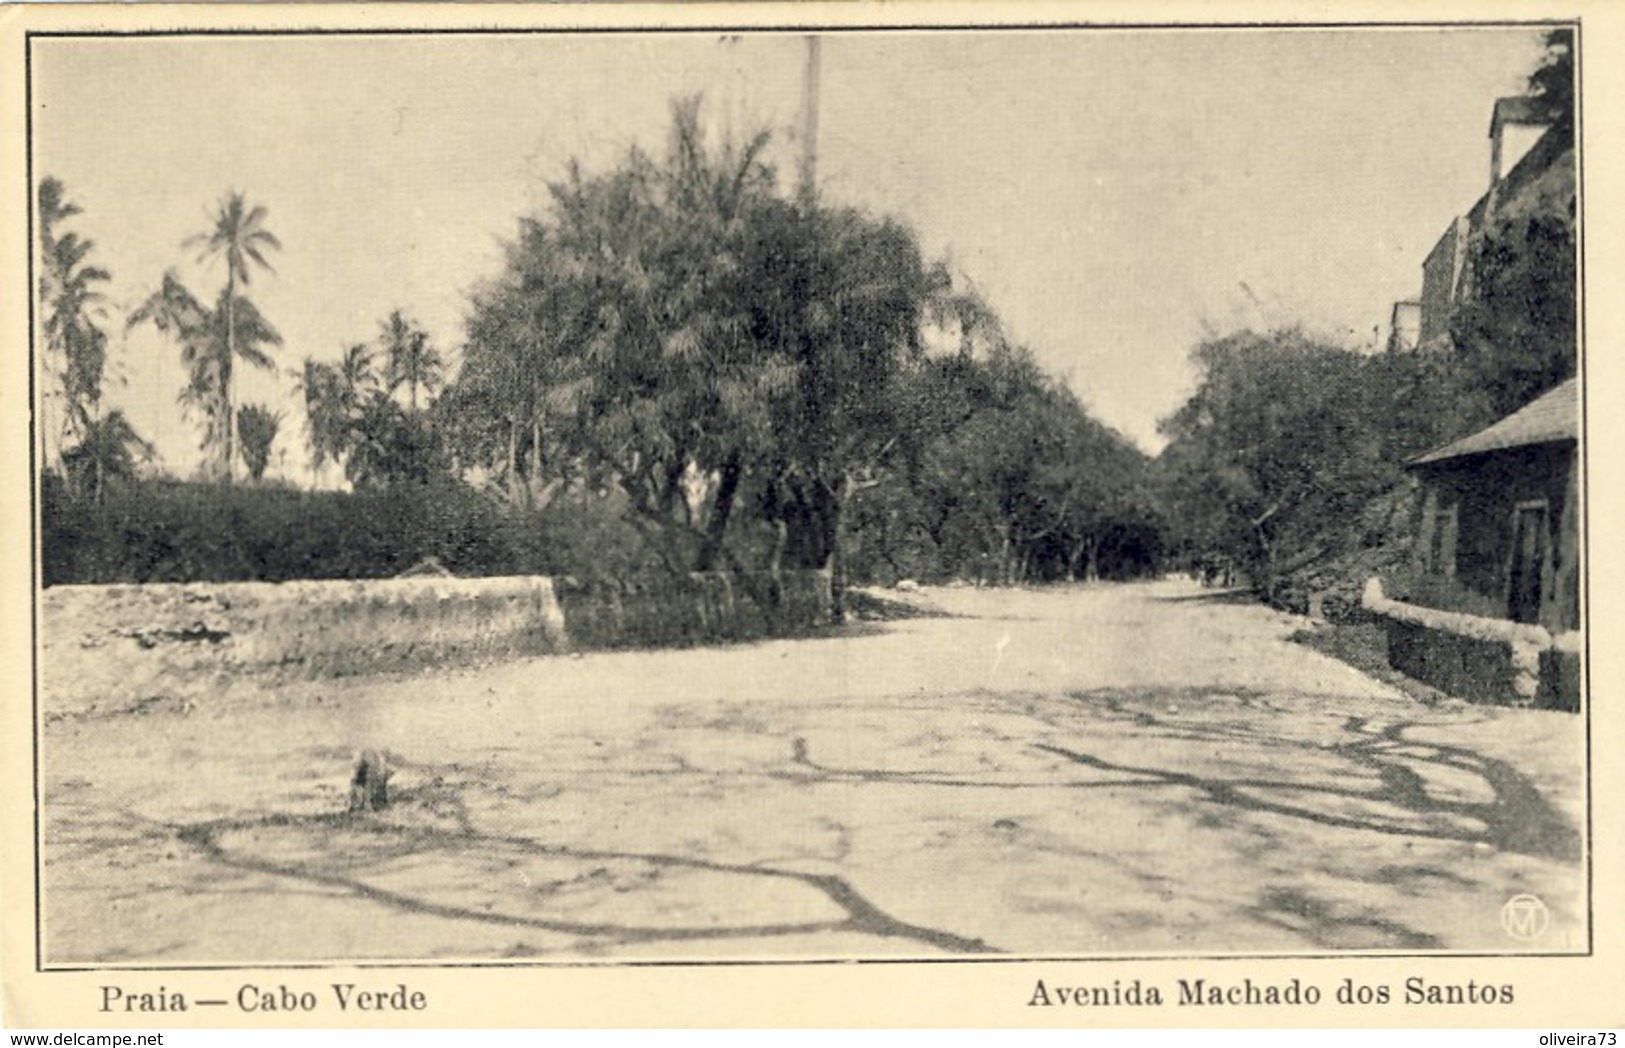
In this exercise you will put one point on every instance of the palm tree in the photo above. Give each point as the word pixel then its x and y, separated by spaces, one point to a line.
pixel 409 359
pixel 239 237
pixel 336 400
pixel 321 386
pixel 257 425
pixel 356 373
pixel 108 448
pixel 70 297
pixel 209 341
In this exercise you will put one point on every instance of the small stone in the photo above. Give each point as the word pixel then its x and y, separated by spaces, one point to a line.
pixel 369 786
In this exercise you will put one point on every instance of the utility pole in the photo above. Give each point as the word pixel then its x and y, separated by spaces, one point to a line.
pixel 809 122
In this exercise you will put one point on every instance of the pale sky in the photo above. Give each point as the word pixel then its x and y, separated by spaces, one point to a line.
pixel 1110 192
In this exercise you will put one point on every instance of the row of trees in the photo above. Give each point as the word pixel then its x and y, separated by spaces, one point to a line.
pixel 80 437
pixel 1004 477
pixel 352 413
pixel 90 446
pixel 715 373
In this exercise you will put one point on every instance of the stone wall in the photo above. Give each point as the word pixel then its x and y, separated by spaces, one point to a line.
pixel 116 647
pixel 1480 659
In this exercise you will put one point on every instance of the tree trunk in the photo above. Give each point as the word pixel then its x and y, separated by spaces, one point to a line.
pixel 513 459
pixel 1265 582
pixel 721 509
pixel 225 377
pixel 1077 560
pixel 533 482
pixel 807 513
pixel 775 553
pixel 49 456
pixel 837 558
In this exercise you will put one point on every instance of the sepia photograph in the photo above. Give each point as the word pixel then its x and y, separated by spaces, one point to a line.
pixel 775 493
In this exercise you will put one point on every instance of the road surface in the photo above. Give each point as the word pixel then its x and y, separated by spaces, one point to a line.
pixel 1123 770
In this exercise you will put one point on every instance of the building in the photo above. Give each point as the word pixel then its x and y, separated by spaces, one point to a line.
pixel 1500 532
pixel 1531 166
pixel 1405 326
pixel 1491 611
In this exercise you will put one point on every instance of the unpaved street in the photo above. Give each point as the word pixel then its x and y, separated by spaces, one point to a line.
pixel 1112 769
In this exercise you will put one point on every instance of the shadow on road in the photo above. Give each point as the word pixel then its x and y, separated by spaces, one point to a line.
pixel 1220 596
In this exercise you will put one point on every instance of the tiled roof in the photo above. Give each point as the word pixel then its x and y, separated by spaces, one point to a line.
pixel 1552 417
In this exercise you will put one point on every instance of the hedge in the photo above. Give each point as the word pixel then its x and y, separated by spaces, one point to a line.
pixel 178 531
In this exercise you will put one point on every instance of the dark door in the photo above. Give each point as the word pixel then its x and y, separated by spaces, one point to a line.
pixel 1528 560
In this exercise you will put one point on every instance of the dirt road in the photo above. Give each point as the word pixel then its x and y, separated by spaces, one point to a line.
pixel 1114 769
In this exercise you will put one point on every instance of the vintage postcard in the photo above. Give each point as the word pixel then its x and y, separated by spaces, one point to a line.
pixel 866 515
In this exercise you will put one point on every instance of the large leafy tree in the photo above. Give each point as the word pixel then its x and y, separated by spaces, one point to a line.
pixel 747 371
pixel 662 376
pixel 239 239
pixel 615 347
pixel 1552 82
pixel 1276 451
pixel 841 303
pixel 679 330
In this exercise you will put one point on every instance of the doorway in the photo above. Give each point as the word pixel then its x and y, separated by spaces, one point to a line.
pixel 1529 547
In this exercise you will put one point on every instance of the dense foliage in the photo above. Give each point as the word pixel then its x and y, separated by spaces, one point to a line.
pixel 1273 462
pixel 681 367
pixel 1004 477
pixel 178 531
pixel 1516 331
pixel 749 375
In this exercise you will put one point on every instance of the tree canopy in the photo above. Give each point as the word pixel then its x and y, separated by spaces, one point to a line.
pixel 744 373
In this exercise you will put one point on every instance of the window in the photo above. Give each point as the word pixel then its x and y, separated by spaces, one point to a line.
pixel 1442 555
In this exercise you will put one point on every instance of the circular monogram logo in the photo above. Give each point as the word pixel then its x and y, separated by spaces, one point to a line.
pixel 1525 917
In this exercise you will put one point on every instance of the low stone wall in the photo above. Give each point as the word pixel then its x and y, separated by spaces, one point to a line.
pixel 1479 659
pixel 1559 680
pixel 113 647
